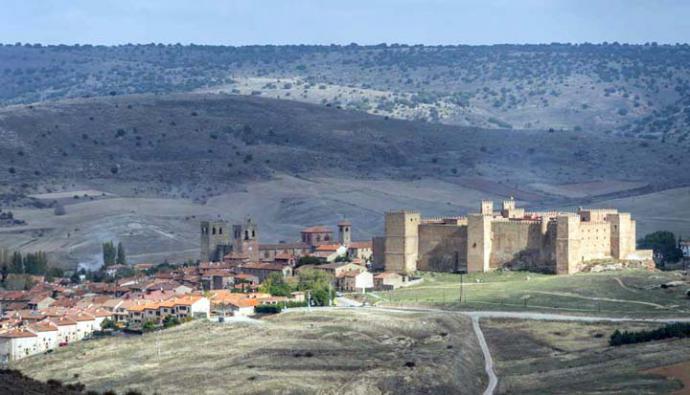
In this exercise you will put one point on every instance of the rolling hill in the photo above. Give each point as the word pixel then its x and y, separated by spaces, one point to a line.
pixel 144 169
pixel 637 91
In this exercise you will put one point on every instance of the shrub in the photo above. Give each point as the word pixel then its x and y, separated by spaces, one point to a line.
pixel 268 309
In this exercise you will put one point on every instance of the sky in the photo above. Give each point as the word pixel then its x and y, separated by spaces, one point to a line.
pixel 248 22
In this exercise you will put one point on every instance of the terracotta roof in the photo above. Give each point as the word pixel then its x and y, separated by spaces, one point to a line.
pixel 350 273
pixel 81 317
pixel 63 321
pixel 43 327
pixel 17 333
pixel 317 229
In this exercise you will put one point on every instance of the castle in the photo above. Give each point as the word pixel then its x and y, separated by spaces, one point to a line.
pixel 555 242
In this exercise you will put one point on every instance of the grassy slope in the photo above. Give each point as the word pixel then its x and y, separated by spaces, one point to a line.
pixel 575 293
pixel 556 357
pixel 358 352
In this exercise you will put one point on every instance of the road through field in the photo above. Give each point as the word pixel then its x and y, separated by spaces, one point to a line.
pixel 477 315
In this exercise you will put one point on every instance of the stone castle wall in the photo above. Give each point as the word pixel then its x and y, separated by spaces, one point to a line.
pixel 555 242
pixel 442 247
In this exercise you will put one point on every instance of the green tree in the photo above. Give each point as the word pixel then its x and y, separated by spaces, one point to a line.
pixel 54 272
pixel 35 263
pixel 276 285
pixel 17 263
pixel 108 324
pixel 664 245
pixel 318 283
pixel 109 253
pixel 121 258
pixel 4 271
pixel 308 260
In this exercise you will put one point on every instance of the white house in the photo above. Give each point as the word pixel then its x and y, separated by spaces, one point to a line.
pixel 16 344
pixel 67 329
pixel 86 324
pixel 47 334
pixel 355 281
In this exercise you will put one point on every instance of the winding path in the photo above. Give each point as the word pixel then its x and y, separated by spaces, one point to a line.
pixel 488 360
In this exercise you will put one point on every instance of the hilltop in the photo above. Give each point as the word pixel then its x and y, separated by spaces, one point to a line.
pixel 639 91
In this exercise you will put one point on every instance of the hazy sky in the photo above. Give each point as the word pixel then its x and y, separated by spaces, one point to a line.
pixel 240 22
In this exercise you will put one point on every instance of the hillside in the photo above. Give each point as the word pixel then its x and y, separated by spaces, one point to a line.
pixel 294 353
pixel 144 169
pixel 631 90
pixel 198 146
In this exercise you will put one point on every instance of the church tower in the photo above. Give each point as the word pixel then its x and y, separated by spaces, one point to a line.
pixel 345 232
pixel 246 239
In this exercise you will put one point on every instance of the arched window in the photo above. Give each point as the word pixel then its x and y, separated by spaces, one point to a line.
pixel 213 231
pixel 220 231
pixel 253 234
pixel 246 235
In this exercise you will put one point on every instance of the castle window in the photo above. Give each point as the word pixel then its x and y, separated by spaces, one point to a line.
pixel 214 230
pixel 220 231
pixel 246 235
pixel 253 234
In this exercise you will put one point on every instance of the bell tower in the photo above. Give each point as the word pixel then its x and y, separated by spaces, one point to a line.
pixel 246 239
pixel 345 232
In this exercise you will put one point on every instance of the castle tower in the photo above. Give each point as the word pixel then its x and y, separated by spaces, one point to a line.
pixel 214 240
pixel 345 232
pixel 246 239
pixel 568 244
pixel 487 207
pixel 402 241
pixel 479 241
pixel 622 235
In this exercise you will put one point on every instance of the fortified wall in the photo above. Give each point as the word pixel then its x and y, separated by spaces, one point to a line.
pixel 555 242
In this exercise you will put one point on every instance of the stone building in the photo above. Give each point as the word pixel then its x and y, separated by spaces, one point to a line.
pixel 216 241
pixel 556 242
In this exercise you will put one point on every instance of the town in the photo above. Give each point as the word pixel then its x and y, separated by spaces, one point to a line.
pixel 237 276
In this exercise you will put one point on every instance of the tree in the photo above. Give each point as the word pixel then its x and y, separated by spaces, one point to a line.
pixel 664 245
pixel 276 285
pixel 17 264
pixel 308 260
pixel 4 271
pixel 108 324
pixel 54 272
pixel 318 283
pixel 35 263
pixel 109 253
pixel 121 258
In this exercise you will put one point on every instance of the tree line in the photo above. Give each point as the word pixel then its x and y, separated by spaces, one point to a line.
pixel 32 263
pixel 676 330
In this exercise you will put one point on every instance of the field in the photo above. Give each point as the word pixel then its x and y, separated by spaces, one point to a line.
pixel 629 292
pixel 564 358
pixel 356 352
